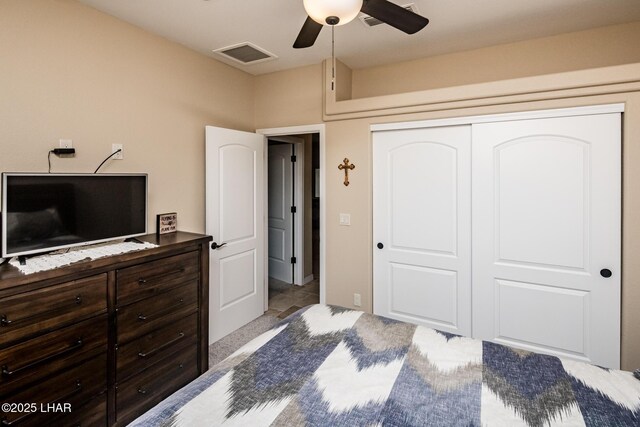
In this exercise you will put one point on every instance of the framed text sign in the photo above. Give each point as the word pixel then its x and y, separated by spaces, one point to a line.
pixel 167 223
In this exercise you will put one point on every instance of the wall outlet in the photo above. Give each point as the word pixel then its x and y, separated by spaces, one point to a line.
pixel 66 143
pixel 357 300
pixel 116 147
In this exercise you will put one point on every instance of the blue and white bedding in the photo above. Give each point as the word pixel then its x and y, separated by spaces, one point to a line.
pixel 329 366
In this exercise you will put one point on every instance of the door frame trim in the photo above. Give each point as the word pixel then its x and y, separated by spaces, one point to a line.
pixel 318 128
pixel 502 117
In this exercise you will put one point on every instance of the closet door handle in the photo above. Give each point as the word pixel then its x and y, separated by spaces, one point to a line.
pixel 606 273
pixel 380 245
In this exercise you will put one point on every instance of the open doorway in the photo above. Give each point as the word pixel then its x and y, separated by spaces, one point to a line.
pixel 293 222
pixel 236 217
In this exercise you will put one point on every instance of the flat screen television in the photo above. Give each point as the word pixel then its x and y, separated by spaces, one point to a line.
pixel 43 212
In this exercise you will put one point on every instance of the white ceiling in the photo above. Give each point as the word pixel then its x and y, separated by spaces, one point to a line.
pixel 456 25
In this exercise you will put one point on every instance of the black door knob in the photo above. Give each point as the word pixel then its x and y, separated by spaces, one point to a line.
pixel 380 245
pixel 606 273
pixel 214 245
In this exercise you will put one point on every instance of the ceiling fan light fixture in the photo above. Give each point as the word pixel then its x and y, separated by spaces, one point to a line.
pixel 344 10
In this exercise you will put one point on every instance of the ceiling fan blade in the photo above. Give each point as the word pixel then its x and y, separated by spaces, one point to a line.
pixel 394 15
pixel 308 34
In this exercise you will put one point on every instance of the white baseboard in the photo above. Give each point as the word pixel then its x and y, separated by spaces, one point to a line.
pixel 308 279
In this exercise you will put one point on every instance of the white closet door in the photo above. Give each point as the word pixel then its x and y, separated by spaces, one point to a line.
pixel 546 227
pixel 422 220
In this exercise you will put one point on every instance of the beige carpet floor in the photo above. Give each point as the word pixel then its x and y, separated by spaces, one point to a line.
pixel 284 299
pixel 224 347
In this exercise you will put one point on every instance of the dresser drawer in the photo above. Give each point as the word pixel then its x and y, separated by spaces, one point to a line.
pixel 47 354
pixel 75 387
pixel 144 316
pixel 28 313
pixel 91 414
pixel 147 350
pixel 145 280
pixel 143 391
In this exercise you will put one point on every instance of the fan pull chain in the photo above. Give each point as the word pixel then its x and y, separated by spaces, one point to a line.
pixel 333 59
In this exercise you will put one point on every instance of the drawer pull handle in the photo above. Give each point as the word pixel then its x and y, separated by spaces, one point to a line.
pixel 142 317
pixel 77 300
pixel 71 393
pixel 64 398
pixel 6 372
pixel 4 321
pixel 162 347
pixel 142 391
pixel 143 281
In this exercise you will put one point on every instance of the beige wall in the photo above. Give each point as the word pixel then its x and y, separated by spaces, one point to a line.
pixel 69 71
pixel 289 98
pixel 344 75
pixel 612 45
pixel 348 249
pixel 631 233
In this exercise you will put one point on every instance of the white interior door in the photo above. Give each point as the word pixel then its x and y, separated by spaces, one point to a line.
pixel 235 219
pixel 422 226
pixel 546 221
pixel 280 215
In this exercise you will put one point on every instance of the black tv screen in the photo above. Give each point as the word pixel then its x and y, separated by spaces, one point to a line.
pixel 43 212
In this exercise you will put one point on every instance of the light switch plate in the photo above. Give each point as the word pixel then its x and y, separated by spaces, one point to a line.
pixel 345 219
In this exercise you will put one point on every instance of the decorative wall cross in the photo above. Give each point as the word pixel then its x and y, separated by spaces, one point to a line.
pixel 346 167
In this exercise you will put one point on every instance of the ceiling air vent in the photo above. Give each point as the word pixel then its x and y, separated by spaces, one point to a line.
pixel 370 21
pixel 245 53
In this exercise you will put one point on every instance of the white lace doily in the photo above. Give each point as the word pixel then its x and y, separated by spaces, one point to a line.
pixel 68 256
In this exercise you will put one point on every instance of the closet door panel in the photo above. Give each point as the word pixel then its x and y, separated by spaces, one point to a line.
pixel 545 307
pixel 546 221
pixel 541 186
pixel 422 221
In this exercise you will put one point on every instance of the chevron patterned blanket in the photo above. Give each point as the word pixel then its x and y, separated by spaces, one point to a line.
pixel 329 366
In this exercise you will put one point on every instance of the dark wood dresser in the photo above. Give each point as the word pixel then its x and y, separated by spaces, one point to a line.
pixel 98 343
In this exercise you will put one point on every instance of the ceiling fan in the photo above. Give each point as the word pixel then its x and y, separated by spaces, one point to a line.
pixel 340 12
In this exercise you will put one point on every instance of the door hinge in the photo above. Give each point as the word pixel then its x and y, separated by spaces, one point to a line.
pixel 293 209
pixel 293 260
pixel 293 159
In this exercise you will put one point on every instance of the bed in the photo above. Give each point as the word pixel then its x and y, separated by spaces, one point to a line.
pixel 330 366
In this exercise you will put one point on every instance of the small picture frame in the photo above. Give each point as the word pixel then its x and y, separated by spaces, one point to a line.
pixel 167 223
